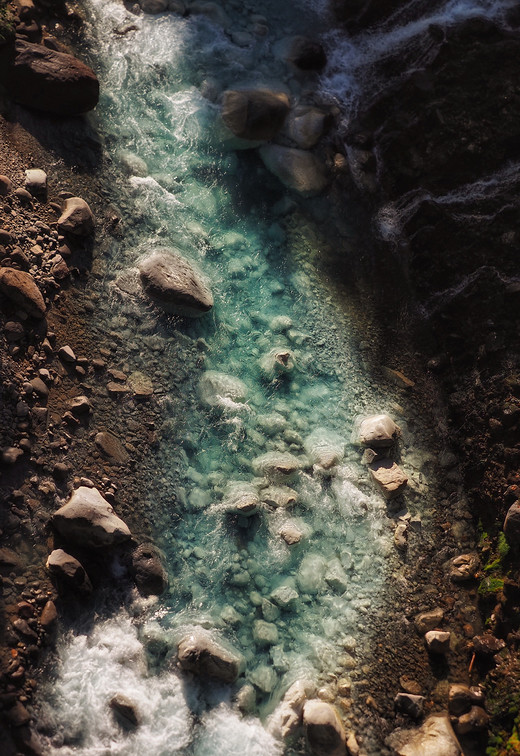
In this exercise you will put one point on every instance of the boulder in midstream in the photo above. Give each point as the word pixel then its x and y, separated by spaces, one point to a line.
pixel 125 711
pixel 174 284
pixel 278 361
pixel 378 431
pixel 147 570
pixel 287 718
pixel 87 519
pixel 277 467
pixel 241 498
pixel 296 169
pixel 199 653
pixel 254 114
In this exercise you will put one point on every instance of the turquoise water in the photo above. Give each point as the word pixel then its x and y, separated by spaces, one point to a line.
pixel 185 187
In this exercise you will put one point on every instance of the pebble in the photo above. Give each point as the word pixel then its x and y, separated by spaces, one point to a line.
pixel 66 354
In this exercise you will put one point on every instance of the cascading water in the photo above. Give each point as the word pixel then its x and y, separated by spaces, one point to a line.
pixel 186 189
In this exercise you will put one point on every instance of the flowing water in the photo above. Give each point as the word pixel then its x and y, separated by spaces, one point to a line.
pixel 224 403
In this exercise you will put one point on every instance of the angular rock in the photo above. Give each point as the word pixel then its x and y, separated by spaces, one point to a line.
pixel 222 392
pixel 285 597
pixel 428 620
pixel 88 520
pixel 279 497
pixel 149 574
pixel 475 720
pixel 287 718
pixel 277 467
pixel 174 285
pixel 68 571
pixel 11 455
pixel 277 362
pixel 307 54
pixel 487 644
pixel 48 80
pixel 265 633
pixel 410 704
pixel 66 354
pixel 76 218
pixel 437 641
pixel 291 534
pixel 125 711
pixel 378 431
pixel 296 169
pixel 512 524
pixel 463 568
pixel 241 498
pixel 461 699
pixel 49 616
pixel 434 738
pixel 324 448
pixel 389 477
pixel 200 654
pixel 80 405
pixel 254 114
pixel 20 288
pixel 323 729
pixel 306 125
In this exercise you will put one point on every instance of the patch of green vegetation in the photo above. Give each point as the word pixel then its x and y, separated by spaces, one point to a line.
pixel 6 22
pixel 490 585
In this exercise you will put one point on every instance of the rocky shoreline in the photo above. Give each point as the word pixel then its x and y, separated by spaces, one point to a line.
pixel 60 404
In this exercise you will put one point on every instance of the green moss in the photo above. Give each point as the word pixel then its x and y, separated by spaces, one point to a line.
pixel 490 585
pixel 503 546
pixel 6 22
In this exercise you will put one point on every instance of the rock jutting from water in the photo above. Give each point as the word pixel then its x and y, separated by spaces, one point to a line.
pixel 199 653
pixel 174 285
pixel 254 114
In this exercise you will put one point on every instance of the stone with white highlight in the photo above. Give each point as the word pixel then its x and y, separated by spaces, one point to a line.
pixel 20 288
pixel 279 497
pixel 378 431
pixel 68 571
pixel 277 467
pixel 254 114
pixel 200 654
pixel 222 392
pixel 437 641
pixel 434 738
pixel 389 477
pixel 287 718
pixel 323 729
pixel 324 448
pixel 76 218
pixel 174 285
pixel 241 498
pixel 36 181
pixel 88 520
pixel 277 362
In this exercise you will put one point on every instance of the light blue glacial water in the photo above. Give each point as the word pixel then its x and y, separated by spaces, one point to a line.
pixel 184 187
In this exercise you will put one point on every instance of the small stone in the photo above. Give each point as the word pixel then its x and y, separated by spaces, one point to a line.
pixel 512 524
pixel 389 477
pixel 80 405
pixel 410 686
pixel 39 388
pixel 463 568
pixel 285 597
pixel 66 354
pixel 401 536
pixel 111 446
pixel 428 620
pixel 461 699
pixel 14 331
pixel 21 626
pixel 36 181
pixel 410 704
pixel 265 633
pixel 200 654
pixel 76 218
pixel 24 197
pixel 437 641
pixel 49 616
pixel 279 496
pixel 88 520
pixel 487 645
pixel 125 711
pixel 246 699
pixel 291 534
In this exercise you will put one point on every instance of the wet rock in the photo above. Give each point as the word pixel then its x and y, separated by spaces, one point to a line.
pixel 285 597
pixel 336 577
pixel 307 54
pixel 287 718
pixel 426 621
pixel 311 573
pixel 148 572
pixel 277 467
pixel 389 477
pixel 246 699
pixel 265 633
pixel 23 628
pixel 463 568
pixel 200 654
pixel 291 534
pixel 279 497
pixel 36 181
pixel 410 704
pixel 296 169
pixel 461 699
pixel 20 288
pixel 125 711
pixel 276 362
pixel 264 678
pixel 221 391
pixel 512 524
pixel 76 218
pixel 306 125
pixel 324 448
pixel 434 738
pixel 88 520
pixel 23 196
pixel 241 498
pixel 68 571
pixel 111 447
pixel 378 431
pixel 323 729
pixel 49 616
pixel 174 285
pixel 254 114
pixel 48 80
pixel 153 6
pixel 473 721
pixel 212 11
pixel 437 641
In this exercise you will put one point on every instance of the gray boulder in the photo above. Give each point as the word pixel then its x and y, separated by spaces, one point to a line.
pixel 200 654
pixel 254 114
pixel 323 729
pixel 48 80
pixel 174 285
pixel 76 218
pixel 88 520
pixel 19 287
pixel 296 169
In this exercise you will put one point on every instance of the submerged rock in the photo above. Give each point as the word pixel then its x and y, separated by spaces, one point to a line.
pixel 281 497
pixel 174 285
pixel 241 498
pixel 324 448
pixel 88 520
pixel 277 362
pixel 323 729
pixel 200 654
pixel 277 467
pixel 254 114
pixel 296 169
pixel 21 289
pixel 389 477
pixel 222 392
pixel 378 431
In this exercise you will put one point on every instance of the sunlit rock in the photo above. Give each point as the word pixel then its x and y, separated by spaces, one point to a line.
pixel 88 520
pixel 323 729
pixel 434 738
pixel 437 641
pixel 378 430
pixel 277 497
pixel 296 169
pixel 76 218
pixel 222 392
pixel 463 568
pixel 277 467
pixel 336 577
pixel 276 362
pixel 461 698
pixel 389 477
pixel 174 285
pixel 246 699
pixel 148 571
pixel 68 571
pixel 311 573
pixel 264 633
pixel 324 448
pixel 132 164
pixel 241 498
pixel 287 718
pixel 200 654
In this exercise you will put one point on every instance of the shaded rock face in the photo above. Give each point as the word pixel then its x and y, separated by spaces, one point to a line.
pixel 174 285
pixel 200 654
pixel 323 729
pixel 76 218
pixel 296 169
pixel 87 519
pixel 148 571
pixel 307 54
pixel 255 114
pixel 21 289
pixel 47 80
pixel 125 711
pixel 69 572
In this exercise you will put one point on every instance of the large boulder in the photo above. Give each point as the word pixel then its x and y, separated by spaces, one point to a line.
pixel 277 467
pixel 174 285
pixel 76 218
pixel 323 728
pixel 87 519
pixel 68 571
pixel 434 738
pixel 296 169
pixel 48 80
pixel 200 654
pixel 286 719
pixel 306 125
pixel 378 431
pixel 254 114
pixel 148 571
pixel 241 498
pixel 20 288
